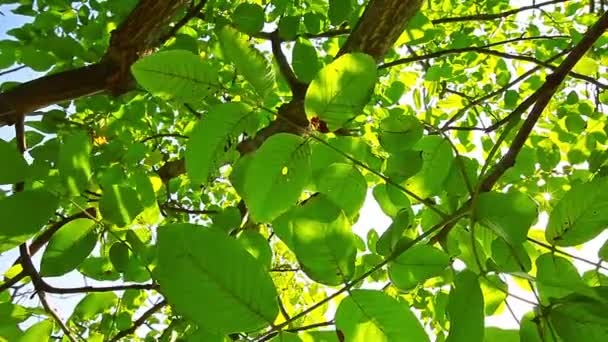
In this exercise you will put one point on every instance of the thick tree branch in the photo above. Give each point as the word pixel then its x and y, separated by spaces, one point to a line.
pixel 380 26
pixel 546 93
pixel 492 16
pixel 298 89
pixel 191 14
pixel 137 36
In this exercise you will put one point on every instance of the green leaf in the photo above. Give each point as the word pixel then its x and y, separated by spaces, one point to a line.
pixel 508 215
pixel 339 11
pixel 39 332
pixel 368 315
pixel 119 256
pixel 276 176
pixel 390 199
pixel 74 164
pixel 23 214
pixel 399 133
pixel 304 60
pixel 511 99
pixel 289 26
pixel 324 242
pixel 437 160
pixel 257 245
pixel 209 278
pixel 576 319
pixel 313 22
pixel 37 59
pixel 68 247
pixel 210 136
pixel 418 263
pixel 510 257
pixel 176 74
pixel 394 232
pixel 403 165
pixel 494 295
pixel 14 168
pixel 248 61
pixel 466 309
pixel 455 183
pixel 120 205
pixel 344 185
pixel 586 66
pixel 341 89
pixel 94 304
pixel 556 277
pixel 249 18
pixel 580 215
pixel 493 334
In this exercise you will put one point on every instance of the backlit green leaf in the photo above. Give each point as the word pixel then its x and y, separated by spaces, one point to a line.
pixel 324 242
pixel 341 89
pixel 209 278
pixel 437 160
pixel 276 176
pixel 176 74
pixel 466 309
pixel 344 185
pixel 19 221
pixel 580 215
pixel 94 304
pixel 120 205
pixel 304 60
pixel 249 18
pixel 74 164
pixel 248 61
pixel 368 315
pixel 39 332
pixel 14 167
pixel 68 247
pixel 508 215
pixel 210 137
pixel 417 264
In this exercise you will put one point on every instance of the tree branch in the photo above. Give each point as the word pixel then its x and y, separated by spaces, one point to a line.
pixel 30 270
pixel 492 16
pixel 446 126
pixel 298 89
pixel 191 14
pixel 140 321
pixel 12 70
pixel 546 92
pixel 380 26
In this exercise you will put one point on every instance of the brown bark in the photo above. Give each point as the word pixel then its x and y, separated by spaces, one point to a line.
pixel 376 32
pixel 136 36
pixel 380 26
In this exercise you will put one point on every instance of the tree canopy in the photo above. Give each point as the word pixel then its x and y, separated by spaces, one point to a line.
pixel 195 170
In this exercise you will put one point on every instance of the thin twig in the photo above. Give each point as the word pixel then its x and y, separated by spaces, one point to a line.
pixel 140 321
pixel 12 70
pixel 191 14
pixel 597 264
pixel 492 16
pixel 163 135
pixel 546 93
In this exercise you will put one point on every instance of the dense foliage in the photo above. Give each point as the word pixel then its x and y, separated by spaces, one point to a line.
pixel 193 170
